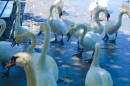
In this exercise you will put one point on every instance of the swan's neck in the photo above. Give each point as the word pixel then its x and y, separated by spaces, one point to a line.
pixel 84 27
pixel 42 59
pixel 97 18
pixel 30 74
pixel 120 19
pixel 17 22
pixel 95 62
pixel 33 43
pixel 3 27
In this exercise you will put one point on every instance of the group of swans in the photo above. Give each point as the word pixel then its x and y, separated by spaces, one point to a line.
pixel 41 69
pixel 96 76
pixel 6 50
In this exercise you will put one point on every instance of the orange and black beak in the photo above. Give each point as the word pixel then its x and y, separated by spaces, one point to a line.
pixel 12 63
pixel 60 15
pixel 14 43
pixel 68 34
pixel 40 32
pixel 108 16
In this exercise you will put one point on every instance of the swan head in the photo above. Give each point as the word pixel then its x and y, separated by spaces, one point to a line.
pixel 71 31
pixel 107 14
pixel 42 27
pixel 126 12
pixel 59 11
pixel 20 59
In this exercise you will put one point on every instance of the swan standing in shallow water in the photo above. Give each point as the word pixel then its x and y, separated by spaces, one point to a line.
pixel 58 26
pixel 96 76
pixel 36 68
pixel 6 50
pixel 87 39
pixel 112 27
pixel 50 61
pixel 18 28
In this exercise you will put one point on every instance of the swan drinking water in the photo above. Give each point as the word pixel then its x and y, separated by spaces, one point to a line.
pixel 87 39
pixel 6 51
pixel 36 68
pixel 96 76
pixel 112 27
pixel 50 61
pixel 58 26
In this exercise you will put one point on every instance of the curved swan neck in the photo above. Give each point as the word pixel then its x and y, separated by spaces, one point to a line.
pixel 97 17
pixel 18 14
pixel 96 52
pixel 34 41
pixel 46 43
pixel 84 33
pixel 51 8
pixel 3 26
pixel 120 18
pixel 30 74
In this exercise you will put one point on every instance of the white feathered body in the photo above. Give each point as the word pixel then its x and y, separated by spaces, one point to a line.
pixel 111 27
pixel 7 51
pixel 90 40
pixel 57 26
pixel 97 76
pixel 50 63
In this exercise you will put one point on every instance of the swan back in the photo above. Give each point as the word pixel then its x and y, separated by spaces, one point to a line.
pixel 2 26
pixel 97 76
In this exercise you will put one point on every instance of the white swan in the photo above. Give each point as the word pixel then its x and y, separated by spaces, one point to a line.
pixel 87 39
pixel 58 26
pixel 112 27
pixel 96 76
pixel 18 28
pixel 96 28
pixel 6 50
pixel 35 65
pixel 59 3
pixel 94 6
pixel 50 61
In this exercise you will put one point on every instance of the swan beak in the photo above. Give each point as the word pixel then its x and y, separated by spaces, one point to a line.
pixel 14 43
pixel 12 63
pixel 60 15
pixel 40 33
pixel 108 16
pixel 68 34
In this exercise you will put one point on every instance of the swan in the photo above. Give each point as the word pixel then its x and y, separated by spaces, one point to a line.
pixel 98 4
pixel 50 61
pixel 6 51
pixel 18 28
pixel 112 27
pixel 59 3
pixel 96 28
pixel 87 39
pixel 58 26
pixel 96 76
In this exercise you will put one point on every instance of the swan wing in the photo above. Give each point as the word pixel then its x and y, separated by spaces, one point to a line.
pixel 7 51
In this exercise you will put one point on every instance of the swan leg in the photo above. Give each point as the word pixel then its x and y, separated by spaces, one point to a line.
pixel 113 41
pixel 55 41
pixel 79 49
pixel 105 37
pixel 61 42
pixel 90 60
pixel 5 73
